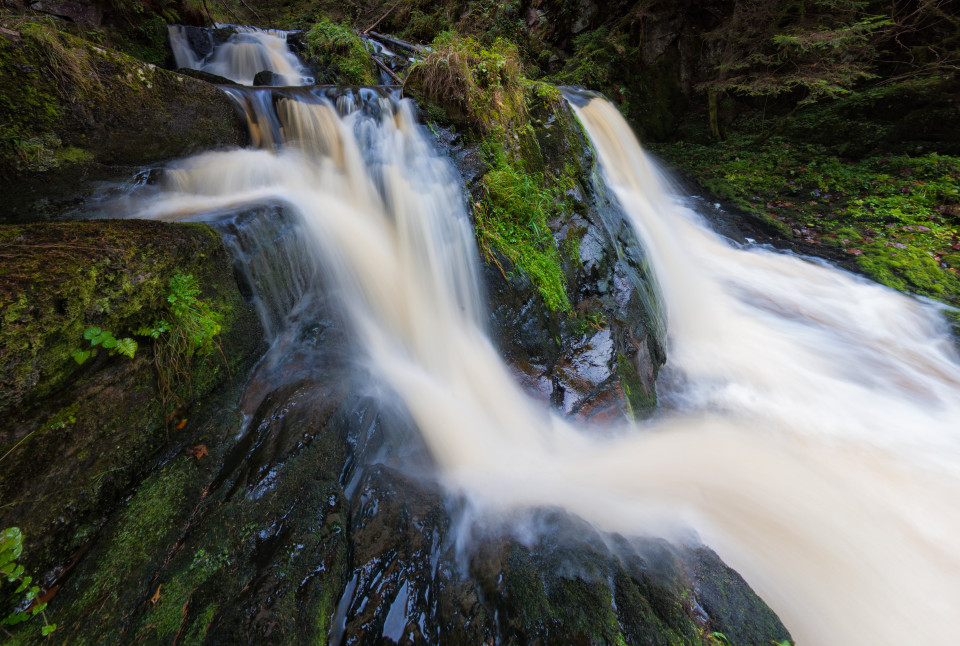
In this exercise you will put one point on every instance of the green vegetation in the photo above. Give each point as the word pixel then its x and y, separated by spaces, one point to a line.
pixel 96 336
pixel 513 220
pixel 481 86
pixel 35 76
pixel 26 596
pixel 813 51
pixel 639 402
pixel 340 53
pixel 896 216
pixel 66 101
pixel 190 330
pixel 483 90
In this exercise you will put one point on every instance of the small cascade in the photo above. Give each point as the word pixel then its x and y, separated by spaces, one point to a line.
pixel 246 52
pixel 276 266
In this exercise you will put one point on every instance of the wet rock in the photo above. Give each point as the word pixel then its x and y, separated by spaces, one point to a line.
pixel 84 13
pixel 267 78
pixel 97 108
pixel 314 524
pixel 79 435
pixel 600 360
pixel 200 75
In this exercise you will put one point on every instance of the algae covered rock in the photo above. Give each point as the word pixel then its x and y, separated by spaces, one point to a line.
pixel 336 54
pixel 84 422
pixel 69 104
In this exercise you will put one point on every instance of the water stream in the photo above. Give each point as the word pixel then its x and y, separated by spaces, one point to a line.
pixel 245 52
pixel 812 438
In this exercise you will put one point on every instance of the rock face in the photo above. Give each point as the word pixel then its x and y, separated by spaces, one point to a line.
pixel 304 510
pixel 600 360
pixel 266 78
pixel 312 512
pixel 321 524
pixel 78 436
pixel 85 13
pixel 76 109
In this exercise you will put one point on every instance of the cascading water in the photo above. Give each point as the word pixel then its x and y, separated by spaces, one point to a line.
pixel 822 461
pixel 245 53
pixel 813 437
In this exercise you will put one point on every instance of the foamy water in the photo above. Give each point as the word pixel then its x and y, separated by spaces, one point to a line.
pixel 815 443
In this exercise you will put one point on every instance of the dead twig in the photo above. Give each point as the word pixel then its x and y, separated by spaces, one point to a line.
pixel 386 69
pixel 389 11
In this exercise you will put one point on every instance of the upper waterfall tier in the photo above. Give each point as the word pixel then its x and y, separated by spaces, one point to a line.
pixel 246 52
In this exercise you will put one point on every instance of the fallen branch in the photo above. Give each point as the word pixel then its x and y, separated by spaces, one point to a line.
pixel 386 69
pixel 389 11
pixel 398 43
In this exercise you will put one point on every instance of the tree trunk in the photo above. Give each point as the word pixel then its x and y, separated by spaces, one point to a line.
pixel 713 103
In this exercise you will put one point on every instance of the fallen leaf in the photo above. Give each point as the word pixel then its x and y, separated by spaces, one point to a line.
pixel 198 451
pixel 181 424
pixel 156 595
pixel 854 252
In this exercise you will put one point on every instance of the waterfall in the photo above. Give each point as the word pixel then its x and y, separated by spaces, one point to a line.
pixel 246 52
pixel 818 451
pixel 813 439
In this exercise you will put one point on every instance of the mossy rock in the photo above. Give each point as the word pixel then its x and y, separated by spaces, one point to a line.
pixel 337 54
pixel 68 103
pixel 77 434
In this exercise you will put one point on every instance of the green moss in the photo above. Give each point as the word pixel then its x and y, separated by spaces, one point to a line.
pixel 484 89
pixel 71 276
pixel 890 214
pixel 167 615
pixel 340 53
pixel 29 98
pixel 200 626
pixel 145 524
pixel 513 221
pixel 639 401
pixel 73 155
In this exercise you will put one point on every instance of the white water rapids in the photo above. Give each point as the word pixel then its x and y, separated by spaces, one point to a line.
pixel 815 441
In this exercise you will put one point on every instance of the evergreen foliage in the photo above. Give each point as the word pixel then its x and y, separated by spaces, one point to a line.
pixel 809 49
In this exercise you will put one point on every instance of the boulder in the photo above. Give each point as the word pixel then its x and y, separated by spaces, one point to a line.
pixel 81 431
pixel 77 109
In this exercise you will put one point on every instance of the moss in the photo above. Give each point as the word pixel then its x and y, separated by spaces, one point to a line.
pixel 200 626
pixel 513 221
pixel 168 615
pixel 60 93
pixel 639 401
pixel 78 435
pixel 484 89
pixel 70 276
pixel 340 54
pixel 145 524
pixel 73 155
pixel 480 86
pixel 890 215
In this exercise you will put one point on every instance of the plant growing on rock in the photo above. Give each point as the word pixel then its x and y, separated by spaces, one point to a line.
pixel 105 339
pixel 340 53
pixel 484 89
pixel 189 330
pixel 25 597
pixel 513 220
pixel 483 86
